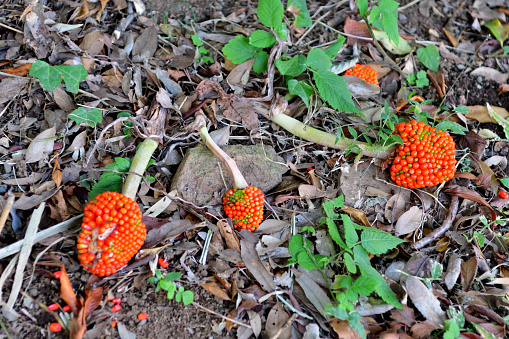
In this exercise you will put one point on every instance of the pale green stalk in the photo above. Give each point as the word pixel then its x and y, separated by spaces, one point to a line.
pixel 138 165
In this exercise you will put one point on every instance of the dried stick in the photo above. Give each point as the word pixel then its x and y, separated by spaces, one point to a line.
pixel 6 210
pixel 453 210
pixel 285 326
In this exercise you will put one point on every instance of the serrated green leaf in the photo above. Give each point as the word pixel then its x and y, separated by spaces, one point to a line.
pixel 295 245
pixel 363 6
pixel 239 50
pixel 73 75
pixel 429 57
pixel 111 181
pixel 281 31
pixel 336 312
pixel 262 39
pixel 302 89
pixel 305 261
pixel 390 25
pixel 447 125
pixel 401 47
pixel 334 234
pixel 351 236
pixel 293 67
pixel 350 264
pixel 333 49
pixel 383 290
pixel 318 60
pixel 461 109
pixel 334 90
pixel 378 242
pixel 351 295
pixel 355 321
pixel 365 285
pixel 48 75
pixel 81 115
pixel 303 19
pixel 261 60
pixel 270 12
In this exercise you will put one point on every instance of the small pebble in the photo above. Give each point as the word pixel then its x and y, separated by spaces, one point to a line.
pixel 33 292
pixel 479 80
pixel 461 67
pixel 478 86
pixel 402 18
pixel 141 303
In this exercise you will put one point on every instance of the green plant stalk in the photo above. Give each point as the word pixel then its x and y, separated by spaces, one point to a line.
pixel 138 166
pixel 326 139
pixel 238 179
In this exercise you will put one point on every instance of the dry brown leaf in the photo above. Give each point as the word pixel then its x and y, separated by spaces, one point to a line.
pixel 146 45
pixel 358 29
pixel 409 221
pixel 112 78
pixel 452 39
pixel 272 226
pixel 463 192
pixel 67 293
pixel 232 241
pixel 255 265
pixel 20 71
pixel 93 42
pixel 312 290
pixel 56 174
pixel 40 145
pixel 242 111
pixel 453 271
pixel 213 288
pixel 480 113
pixel 423 330
pixel 275 320
pixel 405 316
pixel 490 74
pixel 358 215
pixel 468 273
pixel 63 100
pixel 238 73
pixel 343 329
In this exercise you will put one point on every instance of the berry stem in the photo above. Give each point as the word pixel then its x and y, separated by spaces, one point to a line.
pixel 200 125
pixel 326 139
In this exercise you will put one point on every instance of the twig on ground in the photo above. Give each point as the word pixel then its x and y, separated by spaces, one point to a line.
pixel 402 8
pixel 6 210
pixel 220 315
pixel 453 210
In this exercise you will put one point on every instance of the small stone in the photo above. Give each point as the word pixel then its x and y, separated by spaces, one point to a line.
pixel 402 18
pixel 33 292
pixel 141 303
pixel 461 67
pixel 479 80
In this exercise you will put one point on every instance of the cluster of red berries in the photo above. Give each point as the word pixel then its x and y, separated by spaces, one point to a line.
pixel 112 233
pixel 425 159
pixel 244 207
pixel 365 72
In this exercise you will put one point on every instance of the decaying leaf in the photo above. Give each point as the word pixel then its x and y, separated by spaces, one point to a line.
pixel 255 265
pixel 464 192
pixel 275 320
pixel 425 300
pixel 41 145
pixel 409 221
pixel 213 288
pixel 468 273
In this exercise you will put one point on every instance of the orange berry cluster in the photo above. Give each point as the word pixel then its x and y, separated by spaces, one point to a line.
pixel 426 158
pixel 111 233
pixel 365 72
pixel 244 207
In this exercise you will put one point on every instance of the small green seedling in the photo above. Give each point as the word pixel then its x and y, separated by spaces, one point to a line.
pixel 429 57
pixel 168 284
pixel 201 50
pixel 420 80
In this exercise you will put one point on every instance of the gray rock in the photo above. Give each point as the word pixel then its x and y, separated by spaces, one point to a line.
pixel 199 181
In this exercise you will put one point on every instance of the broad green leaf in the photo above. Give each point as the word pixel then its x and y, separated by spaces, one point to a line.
pixel 334 234
pixel 302 89
pixel 260 64
pixel 384 291
pixel 499 31
pixel 91 117
pixel 305 261
pixel 355 320
pixel 389 13
pixel 302 19
pixel 187 297
pixel 293 67
pixel 351 295
pixel 196 40
pixel 334 90
pixel 333 49
pixel 239 50
pixel 505 182
pixel 318 60
pixel 350 264
pixel 365 285
pixel 48 75
pixel 336 312
pixel 429 57
pixel 270 12
pixel 339 201
pixel 73 75
pixel 461 109
pixel 172 276
pixel 111 181
pixel 447 125
pixel 295 245
pixel 351 236
pixel 363 6
pixel 378 242
pixel 281 31
pixel 262 39
pixel 402 47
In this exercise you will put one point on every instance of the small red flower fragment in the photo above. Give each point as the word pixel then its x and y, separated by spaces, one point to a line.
pixel 66 308
pixel 503 194
pixel 57 274
pixel 53 307
pixel 116 300
pixel 55 327
pixel 113 323
pixel 163 263
pixel 116 308
pixel 142 316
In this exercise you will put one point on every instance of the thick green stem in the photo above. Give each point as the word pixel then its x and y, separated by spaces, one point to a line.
pixel 138 166
pixel 323 138
pixel 238 179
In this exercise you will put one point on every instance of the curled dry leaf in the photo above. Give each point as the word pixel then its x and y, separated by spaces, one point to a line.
pixel 463 192
pixel 275 320
pixel 41 144
pixel 213 288
pixel 453 271
pixel 468 273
